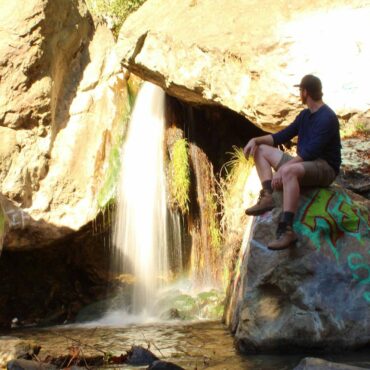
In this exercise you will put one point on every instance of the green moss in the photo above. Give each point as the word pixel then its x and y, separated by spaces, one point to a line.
pixel 211 304
pixel 180 175
pixel 207 305
pixel 116 10
pixel 107 192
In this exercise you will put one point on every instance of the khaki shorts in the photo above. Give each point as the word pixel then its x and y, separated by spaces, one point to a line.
pixel 316 173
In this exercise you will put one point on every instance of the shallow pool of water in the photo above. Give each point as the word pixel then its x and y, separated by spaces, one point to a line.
pixel 200 345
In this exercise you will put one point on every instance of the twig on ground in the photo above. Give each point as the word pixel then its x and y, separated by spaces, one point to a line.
pixel 151 342
pixel 80 343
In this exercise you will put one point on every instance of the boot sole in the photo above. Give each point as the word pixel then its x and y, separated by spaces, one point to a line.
pixel 282 248
pixel 259 212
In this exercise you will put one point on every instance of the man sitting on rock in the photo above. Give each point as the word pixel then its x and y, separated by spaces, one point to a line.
pixel 316 164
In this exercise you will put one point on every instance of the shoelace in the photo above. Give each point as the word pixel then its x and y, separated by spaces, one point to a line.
pixel 262 193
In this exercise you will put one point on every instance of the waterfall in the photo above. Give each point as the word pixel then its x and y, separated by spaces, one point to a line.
pixel 140 235
pixel 176 257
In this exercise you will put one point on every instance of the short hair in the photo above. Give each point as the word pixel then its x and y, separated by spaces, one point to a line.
pixel 313 86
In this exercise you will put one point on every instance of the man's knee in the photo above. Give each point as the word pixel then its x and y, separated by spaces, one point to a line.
pixel 265 149
pixel 270 154
pixel 294 171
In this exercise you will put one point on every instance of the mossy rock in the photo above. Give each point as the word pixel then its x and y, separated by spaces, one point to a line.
pixel 206 305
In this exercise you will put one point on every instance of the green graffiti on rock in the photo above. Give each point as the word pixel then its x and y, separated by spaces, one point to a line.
pixel 318 218
pixel 331 218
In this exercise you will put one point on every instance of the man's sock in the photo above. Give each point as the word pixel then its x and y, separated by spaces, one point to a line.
pixel 266 185
pixel 287 218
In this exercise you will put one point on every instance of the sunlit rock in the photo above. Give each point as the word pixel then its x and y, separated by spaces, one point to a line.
pixel 12 348
pixel 61 96
pixel 247 56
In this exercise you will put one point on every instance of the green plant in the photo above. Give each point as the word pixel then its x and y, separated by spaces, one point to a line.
pixel 213 227
pixel 238 167
pixel 352 128
pixel 180 175
pixel 360 126
pixel 237 171
pixel 115 11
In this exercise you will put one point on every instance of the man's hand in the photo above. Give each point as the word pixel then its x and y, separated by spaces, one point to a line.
pixel 250 148
pixel 277 180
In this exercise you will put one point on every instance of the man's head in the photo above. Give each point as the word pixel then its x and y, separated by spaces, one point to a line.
pixel 310 86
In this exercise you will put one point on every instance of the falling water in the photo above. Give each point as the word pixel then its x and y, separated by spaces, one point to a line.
pixel 176 257
pixel 140 235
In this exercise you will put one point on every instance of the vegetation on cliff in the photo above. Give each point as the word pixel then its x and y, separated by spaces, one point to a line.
pixel 232 187
pixel 114 12
pixel 107 193
pixel 180 175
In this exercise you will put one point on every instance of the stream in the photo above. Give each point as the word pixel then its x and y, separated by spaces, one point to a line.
pixel 192 345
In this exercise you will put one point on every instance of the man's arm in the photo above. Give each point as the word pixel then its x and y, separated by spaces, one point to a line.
pixel 252 145
pixel 289 132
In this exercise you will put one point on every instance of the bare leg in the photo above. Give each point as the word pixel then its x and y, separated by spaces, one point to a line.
pixel 266 157
pixel 291 176
pixel 285 236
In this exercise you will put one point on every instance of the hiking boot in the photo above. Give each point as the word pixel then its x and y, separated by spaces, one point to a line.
pixel 285 238
pixel 264 203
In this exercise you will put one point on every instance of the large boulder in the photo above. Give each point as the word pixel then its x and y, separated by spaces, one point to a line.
pixel 311 363
pixel 12 348
pixel 61 96
pixel 247 55
pixel 314 296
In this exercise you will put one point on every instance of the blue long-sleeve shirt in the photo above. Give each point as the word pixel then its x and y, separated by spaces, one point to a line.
pixel 318 136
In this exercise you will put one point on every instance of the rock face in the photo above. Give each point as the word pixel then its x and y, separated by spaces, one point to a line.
pixel 47 286
pixel 315 295
pixel 247 56
pixel 311 363
pixel 61 96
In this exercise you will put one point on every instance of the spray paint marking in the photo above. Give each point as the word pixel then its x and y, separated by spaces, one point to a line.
pixel 318 209
pixel 17 218
pixel 327 217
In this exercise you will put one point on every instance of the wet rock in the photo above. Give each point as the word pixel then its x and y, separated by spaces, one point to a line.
pixel 140 356
pixel 171 314
pixel 29 365
pixel 250 64
pixel 164 365
pixel 315 295
pixel 311 363
pixel 15 348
